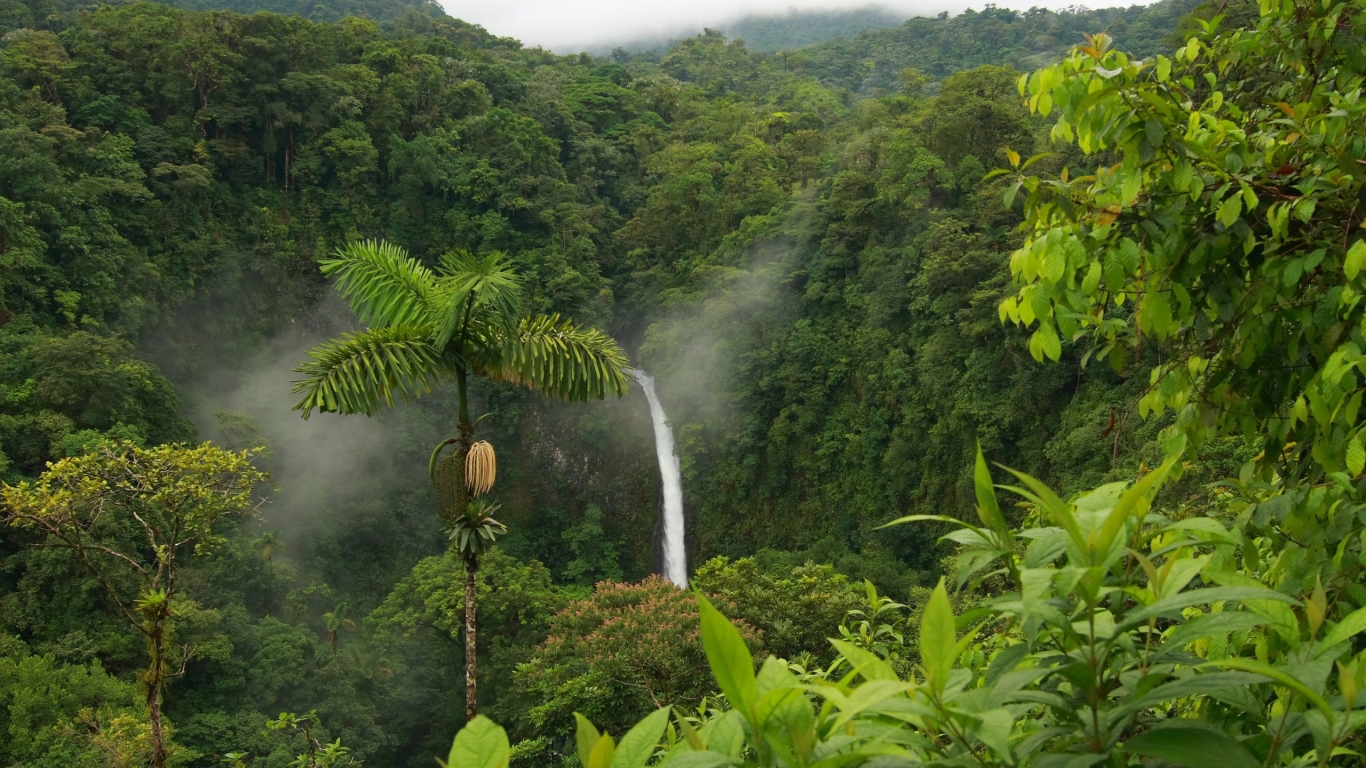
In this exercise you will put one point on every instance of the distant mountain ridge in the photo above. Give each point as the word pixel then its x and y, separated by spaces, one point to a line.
pixel 15 14
pixel 770 33
pixel 318 10
pixel 798 29
pixel 874 60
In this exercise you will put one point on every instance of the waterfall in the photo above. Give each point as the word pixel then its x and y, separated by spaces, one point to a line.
pixel 675 557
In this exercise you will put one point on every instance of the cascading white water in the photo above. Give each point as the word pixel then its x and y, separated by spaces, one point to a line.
pixel 675 557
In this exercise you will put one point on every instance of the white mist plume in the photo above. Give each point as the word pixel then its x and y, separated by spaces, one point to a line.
pixel 321 466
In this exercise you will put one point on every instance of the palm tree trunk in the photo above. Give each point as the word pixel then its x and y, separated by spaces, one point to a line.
pixel 471 561
pixel 471 621
pixel 466 439
pixel 466 426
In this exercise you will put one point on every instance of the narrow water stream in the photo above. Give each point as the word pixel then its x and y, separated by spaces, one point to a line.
pixel 675 556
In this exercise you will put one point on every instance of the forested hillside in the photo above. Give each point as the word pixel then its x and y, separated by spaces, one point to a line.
pixel 30 13
pixel 796 29
pixel 872 61
pixel 807 249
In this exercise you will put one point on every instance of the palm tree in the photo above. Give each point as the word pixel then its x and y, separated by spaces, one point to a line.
pixel 430 326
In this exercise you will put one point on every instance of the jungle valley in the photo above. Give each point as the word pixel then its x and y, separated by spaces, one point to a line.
pixel 1012 364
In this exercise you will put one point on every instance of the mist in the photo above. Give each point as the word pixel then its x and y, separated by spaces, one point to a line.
pixel 332 478
pixel 568 27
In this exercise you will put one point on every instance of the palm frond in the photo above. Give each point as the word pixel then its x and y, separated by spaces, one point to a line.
pixel 469 284
pixel 382 284
pixel 360 372
pixel 559 359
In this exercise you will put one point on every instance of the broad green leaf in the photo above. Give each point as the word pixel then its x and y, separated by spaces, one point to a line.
pixel 1045 498
pixel 480 744
pixel 1205 525
pixel 1051 344
pixel 1133 502
pixel 690 734
pixel 1193 745
pixel 706 759
pixel 725 734
pixel 1355 261
pixel 987 508
pixel 1277 675
pixel 773 675
pixel 1205 596
pixel 938 640
pixel 1179 574
pixel 1277 609
pixel 1091 282
pixel 639 743
pixel 1197 685
pixel 731 664
pixel 865 663
pixel 1133 184
pixel 586 736
pixel 1229 210
pixel 602 753
pixel 1349 627
pixel 868 695
pixel 1054 263
pixel 993 728
pixel 1356 455
pixel 1211 625
pixel 785 706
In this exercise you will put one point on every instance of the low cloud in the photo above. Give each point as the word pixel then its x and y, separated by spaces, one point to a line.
pixel 567 27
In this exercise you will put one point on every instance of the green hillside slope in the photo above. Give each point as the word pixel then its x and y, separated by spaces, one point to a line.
pixel 873 60
pixel 797 29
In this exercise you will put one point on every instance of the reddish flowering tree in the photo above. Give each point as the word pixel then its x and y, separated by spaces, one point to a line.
pixel 620 653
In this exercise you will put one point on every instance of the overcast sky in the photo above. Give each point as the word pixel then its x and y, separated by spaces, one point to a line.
pixel 566 26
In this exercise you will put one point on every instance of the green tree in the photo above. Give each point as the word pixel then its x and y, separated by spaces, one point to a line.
pixel 128 515
pixel 429 326
pixel 68 714
pixel 796 608
pixel 618 654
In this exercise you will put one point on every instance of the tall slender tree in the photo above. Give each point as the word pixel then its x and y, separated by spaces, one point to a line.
pixel 428 326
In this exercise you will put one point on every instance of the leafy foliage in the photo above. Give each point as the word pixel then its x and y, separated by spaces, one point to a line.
pixel 66 714
pixel 626 649
pixel 795 610
pixel 1256 253
pixel 127 515
pixel 1111 644
pixel 874 60
pixel 811 274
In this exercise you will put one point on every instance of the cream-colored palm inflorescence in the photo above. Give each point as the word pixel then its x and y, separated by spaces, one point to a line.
pixel 481 468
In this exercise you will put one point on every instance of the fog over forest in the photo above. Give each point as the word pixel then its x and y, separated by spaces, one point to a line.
pixel 595 24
